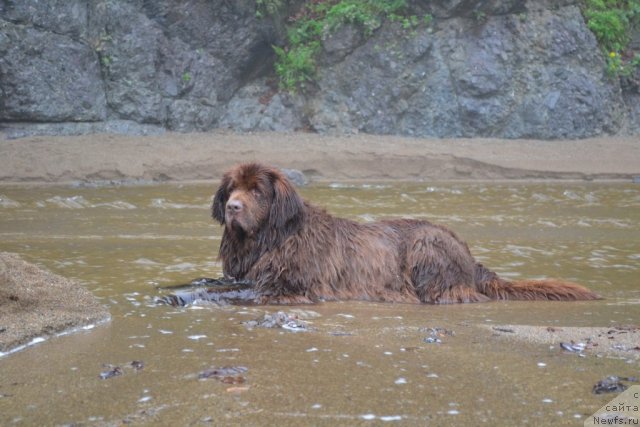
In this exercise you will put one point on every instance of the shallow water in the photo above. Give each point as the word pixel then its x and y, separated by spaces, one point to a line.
pixel 360 363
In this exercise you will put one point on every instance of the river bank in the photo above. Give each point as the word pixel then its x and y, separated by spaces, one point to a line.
pixel 205 156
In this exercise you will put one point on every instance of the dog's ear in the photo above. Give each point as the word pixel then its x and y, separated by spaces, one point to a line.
pixel 220 199
pixel 287 207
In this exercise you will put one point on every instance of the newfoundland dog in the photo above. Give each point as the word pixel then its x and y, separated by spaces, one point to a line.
pixel 295 252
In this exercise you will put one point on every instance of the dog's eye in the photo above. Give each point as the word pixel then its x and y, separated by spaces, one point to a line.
pixel 256 193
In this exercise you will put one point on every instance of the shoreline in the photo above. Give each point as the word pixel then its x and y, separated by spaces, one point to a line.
pixel 202 157
pixel 36 304
pixel 311 183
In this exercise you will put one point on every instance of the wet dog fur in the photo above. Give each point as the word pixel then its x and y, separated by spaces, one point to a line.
pixel 297 253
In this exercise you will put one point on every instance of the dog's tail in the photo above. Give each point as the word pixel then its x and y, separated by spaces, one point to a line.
pixel 489 284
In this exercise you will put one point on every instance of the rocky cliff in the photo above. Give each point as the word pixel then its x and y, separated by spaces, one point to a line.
pixel 527 69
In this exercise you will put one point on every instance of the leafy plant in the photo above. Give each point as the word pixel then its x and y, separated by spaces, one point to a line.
pixel 617 66
pixel 268 7
pixel 479 16
pixel 610 27
pixel 612 22
pixel 106 60
pixel 101 46
pixel 296 62
pixel 296 66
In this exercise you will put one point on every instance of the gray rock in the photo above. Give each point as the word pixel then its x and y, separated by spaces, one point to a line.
pixel 175 63
pixel 540 77
pixel 186 115
pixel 128 44
pixel 228 31
pixel 68 17
pixel 473 8
pixel 632 101
pixel 483 68
pixel 296 177
pixel 341 42
pixel 481 9
pixel 259 107
pixel 48 77
pixel 14 130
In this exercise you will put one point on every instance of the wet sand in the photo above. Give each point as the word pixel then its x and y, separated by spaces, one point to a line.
pixel 205 156
pixel 36 304
pixel 618 341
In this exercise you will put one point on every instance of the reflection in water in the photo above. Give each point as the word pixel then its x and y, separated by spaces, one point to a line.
pixel 358 362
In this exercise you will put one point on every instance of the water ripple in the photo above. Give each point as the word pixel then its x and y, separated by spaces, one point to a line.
pixel 6 202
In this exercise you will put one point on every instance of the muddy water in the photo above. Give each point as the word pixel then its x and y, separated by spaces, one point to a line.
pixel 361 363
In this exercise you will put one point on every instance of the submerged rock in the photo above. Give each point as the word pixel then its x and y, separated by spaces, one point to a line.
pixel 116 370
pixel 612 384
pixel 225 374
pixel 290 322
pixel 436 334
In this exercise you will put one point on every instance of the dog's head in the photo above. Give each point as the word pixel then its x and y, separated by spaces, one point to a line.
pixel 253 197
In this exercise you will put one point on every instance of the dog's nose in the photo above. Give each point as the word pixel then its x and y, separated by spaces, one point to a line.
pixel 234 205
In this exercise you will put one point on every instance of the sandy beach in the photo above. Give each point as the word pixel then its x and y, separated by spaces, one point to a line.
pixel 35 304
pixel 205 156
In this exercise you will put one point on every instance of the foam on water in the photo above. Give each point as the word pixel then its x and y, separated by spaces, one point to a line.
pixel 164 204
pixel 6 202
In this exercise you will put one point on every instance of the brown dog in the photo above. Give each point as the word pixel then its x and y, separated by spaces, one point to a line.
pixel 298 253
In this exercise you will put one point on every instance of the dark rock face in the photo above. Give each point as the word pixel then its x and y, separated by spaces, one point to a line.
pixel 171 63
pixel 540 77
pixel 499 68
pixel 259 107
pixel 167 63
pixel 48 77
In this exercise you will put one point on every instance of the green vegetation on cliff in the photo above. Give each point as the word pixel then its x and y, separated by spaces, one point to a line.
pixel 296 62
pixel 613 22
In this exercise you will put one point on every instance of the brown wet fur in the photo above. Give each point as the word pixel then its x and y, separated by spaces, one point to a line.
pixel 298 253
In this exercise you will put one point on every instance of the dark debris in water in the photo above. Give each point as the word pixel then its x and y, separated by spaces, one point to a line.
pixel 219 291
pixel 622 329
pixel 116 370
pixel 573 347
pixel 436 334
pixel 220 282
pixel 612 384
pixel 112 371
pixel 225 374
pixel 506 330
